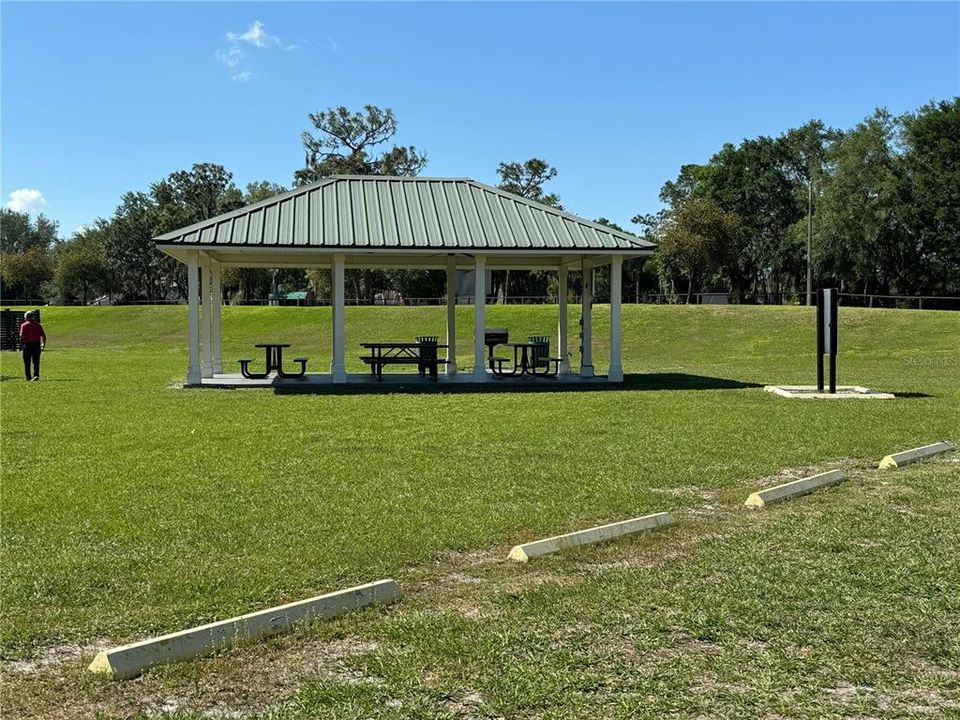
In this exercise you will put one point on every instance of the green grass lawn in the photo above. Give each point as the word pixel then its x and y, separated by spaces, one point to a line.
pixel 132 507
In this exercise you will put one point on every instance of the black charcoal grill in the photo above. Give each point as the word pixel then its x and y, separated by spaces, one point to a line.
pixel 493 337
pixel 10 322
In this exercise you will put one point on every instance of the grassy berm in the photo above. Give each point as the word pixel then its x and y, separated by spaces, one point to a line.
pixel 133 507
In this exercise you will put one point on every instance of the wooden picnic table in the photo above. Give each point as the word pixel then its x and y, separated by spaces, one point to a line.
pixel 403 353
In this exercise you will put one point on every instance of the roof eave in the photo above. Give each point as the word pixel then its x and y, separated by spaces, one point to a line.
pixel 405 249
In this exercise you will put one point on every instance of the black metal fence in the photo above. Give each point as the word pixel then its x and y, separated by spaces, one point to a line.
pixel 355 301
pixel 901 302
pixel 904 302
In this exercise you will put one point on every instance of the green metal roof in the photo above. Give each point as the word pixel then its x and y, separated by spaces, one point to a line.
pixel 448 214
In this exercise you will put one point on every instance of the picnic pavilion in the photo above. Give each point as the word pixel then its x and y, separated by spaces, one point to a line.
pixel 400 222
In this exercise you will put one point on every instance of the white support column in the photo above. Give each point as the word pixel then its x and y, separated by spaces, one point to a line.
pixel 615 373
pixel 206 364
pixel 562 319
pixel 451 315
pixel 586 325
pixel 193 322
pixel 480 319
pixel 216 295
pixel 337 367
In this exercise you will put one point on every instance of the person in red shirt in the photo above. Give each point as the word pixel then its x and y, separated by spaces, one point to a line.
pixel 32 339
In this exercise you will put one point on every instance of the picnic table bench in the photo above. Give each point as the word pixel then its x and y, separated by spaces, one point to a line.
pixel 422 354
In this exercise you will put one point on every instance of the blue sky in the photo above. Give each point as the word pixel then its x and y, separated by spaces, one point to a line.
pixel 99 99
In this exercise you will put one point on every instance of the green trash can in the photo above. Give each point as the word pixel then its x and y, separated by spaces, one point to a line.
pixel 428 352
pixel 540 352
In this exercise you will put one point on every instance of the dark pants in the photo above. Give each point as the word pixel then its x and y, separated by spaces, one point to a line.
pixel 31 354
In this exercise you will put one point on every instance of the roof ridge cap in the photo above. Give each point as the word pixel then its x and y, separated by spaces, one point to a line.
pixel 401 178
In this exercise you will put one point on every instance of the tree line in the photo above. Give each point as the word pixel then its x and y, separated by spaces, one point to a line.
pixel 116 257
pixel 879 204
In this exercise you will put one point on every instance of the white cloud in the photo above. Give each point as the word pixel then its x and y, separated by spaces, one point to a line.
pixel 230 58
pixel 255 35
pixel 332 43
pixel 26 200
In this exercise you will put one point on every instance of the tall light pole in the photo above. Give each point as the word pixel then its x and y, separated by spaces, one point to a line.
pixel 810 240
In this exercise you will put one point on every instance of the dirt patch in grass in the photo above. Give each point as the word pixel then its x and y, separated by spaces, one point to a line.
pixel 465 705
pixel 238 683
pixel 48 658
pixel 904 702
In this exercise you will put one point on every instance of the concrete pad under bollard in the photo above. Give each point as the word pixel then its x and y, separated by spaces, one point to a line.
pixel 129 661
pixel 795 488
pixel 523 553
pixel 844 392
